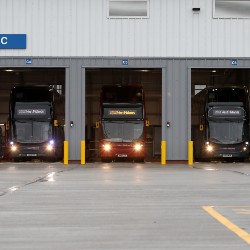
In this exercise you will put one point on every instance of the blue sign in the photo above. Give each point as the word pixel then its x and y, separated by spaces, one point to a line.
pixel 28 61
pixel 234 62
pixel 12 41
pixel 124 61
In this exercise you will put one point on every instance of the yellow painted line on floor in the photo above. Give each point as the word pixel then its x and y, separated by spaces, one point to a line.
pixel 227 223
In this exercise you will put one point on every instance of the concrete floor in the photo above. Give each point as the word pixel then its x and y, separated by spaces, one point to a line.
pixel 124 206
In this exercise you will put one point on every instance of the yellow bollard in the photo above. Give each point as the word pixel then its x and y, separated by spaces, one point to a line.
pixel 190 153
pixel 82 152
pixel 163 152
pixel 66 152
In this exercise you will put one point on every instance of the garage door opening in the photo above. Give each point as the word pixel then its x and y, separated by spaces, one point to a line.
pixel 150 81
pixel 32 121
pixel 220 114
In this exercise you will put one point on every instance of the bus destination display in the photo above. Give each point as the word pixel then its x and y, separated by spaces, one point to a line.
pixel 31 111
pixel 132 113
pixel 122 112
pixel 226 113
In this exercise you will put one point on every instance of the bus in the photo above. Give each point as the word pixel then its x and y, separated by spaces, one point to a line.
pixel 34 127
pixel 122 123
pixel 220 123
pixel 1 144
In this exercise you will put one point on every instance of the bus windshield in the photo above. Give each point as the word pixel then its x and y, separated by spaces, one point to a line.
pixel 227 95
pixel 32 95
pixel 122 131
pixel 226 132
pixel 32 131
pixel 122 94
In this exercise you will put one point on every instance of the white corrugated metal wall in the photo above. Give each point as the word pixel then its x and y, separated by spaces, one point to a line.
pixel 81 28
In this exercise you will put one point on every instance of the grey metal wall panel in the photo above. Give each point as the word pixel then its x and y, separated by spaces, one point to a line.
pixel 75 110
pixel 176 112
pixel 168 96
pixel 81 28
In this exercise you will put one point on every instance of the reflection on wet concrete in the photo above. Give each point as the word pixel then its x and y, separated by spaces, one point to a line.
pixel 50 177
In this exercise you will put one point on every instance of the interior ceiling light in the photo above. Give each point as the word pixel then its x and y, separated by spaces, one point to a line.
pixel 9 70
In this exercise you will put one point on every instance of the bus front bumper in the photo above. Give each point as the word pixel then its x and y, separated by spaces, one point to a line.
pixel 122 150
pixel 226 151
pixel 31 151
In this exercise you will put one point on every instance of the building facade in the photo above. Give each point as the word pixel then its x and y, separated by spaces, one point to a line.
pixel 175 36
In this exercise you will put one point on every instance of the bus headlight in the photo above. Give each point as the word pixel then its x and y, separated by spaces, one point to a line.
pixel 106 147
pixel 245 147
pixel 51 142
pixel 13 148
pixel 50 145
pixel 209 148
pixel 138 147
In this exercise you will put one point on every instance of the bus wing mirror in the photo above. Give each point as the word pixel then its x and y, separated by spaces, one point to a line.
pixel 97 125
pixel 55 123
pixel 201 123
pixel 147 123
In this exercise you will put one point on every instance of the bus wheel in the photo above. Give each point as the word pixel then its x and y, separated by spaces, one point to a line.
pixel 241 159
pixel 140 159
pixel 15 159
pixel 106 159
